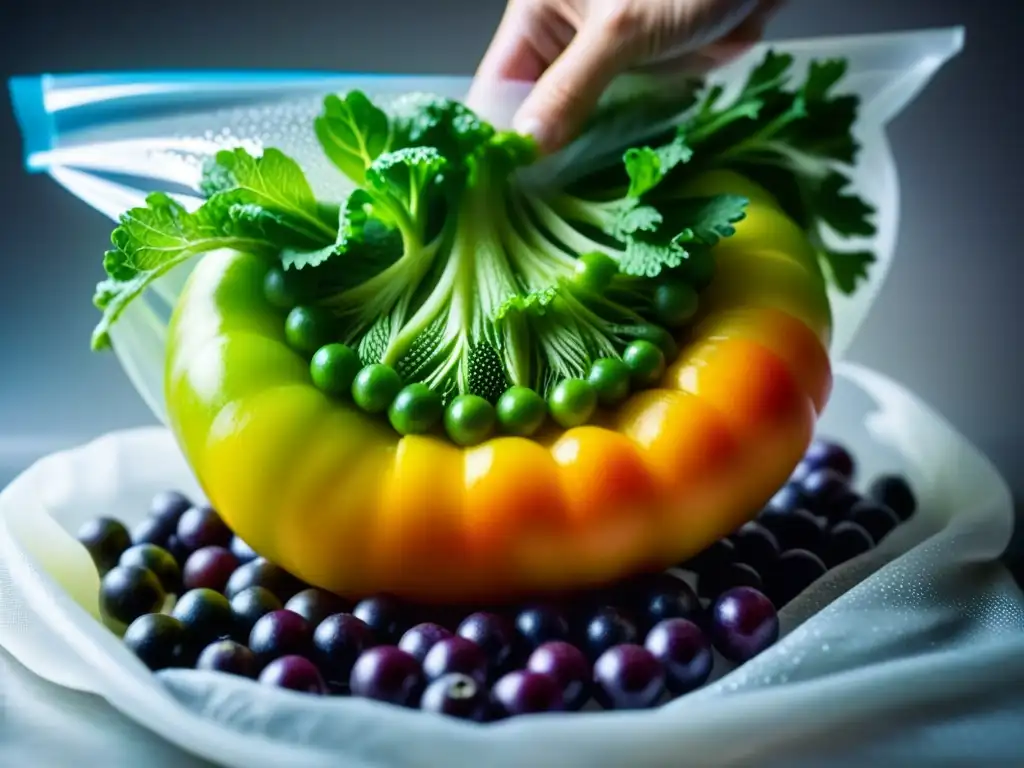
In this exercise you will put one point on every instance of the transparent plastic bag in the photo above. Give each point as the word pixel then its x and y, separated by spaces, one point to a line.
pixel 871 642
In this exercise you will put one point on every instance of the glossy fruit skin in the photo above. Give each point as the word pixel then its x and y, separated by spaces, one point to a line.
pixel 263 573
pixel 207 617
pixel 315 605
pixel 202 527
pixel 156 639
pixel 566 664
pixel 209 568
pixel 280 633
pixel 456 655
pixel 605 629
pixel 105 539
pixel 159 561
pixel 527 693
pixel 683 651
pixel 493 634
pixel 743 623
pixel 628 677
pixel 250 605
pixel 294 673
pixel 128 591
pixel 894 492
pixel 230 657
pixel 388 674
pixel 456 696
pixel 417 641
pixel 335 496
pixel 338 642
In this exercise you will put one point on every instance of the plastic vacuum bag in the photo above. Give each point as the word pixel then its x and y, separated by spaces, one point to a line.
pixel 929 616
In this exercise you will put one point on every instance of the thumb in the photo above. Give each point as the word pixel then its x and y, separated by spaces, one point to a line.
pixel 569 90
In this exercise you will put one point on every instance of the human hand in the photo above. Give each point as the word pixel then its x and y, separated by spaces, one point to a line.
pixel 573 49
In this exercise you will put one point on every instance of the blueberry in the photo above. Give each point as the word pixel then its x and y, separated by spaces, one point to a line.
pixel 153 530
pixel 159 561
pixel 128 591
pixel 169 506
pixel 178 550
pixel 827 454
pixel 568 666
pixel 846 541
pixel 105 539
pixel 788 497
pixel 743 624
pixel 875 518
pixel 492 633
pixel 456 696
pixel 798 529
pixel 339 640
pixel 263 573
pixel 229 657
pixel 202 527
pixel 684 653
pixel 715 583
pixel 242 551
pixel 387 673
pixel 894 492
pixel 209 568
pixel 280 633
pixel 456 654
pixel 250 605
pixel 156 640
pixel 825 491
pixel 667 597
pixel 294 673
pixel 796 570
pixel 628 677
pixel 539 624
pixel 420 639
pixel 719 554
pixel 756 546
pixel 385 615
pixel 315 605
pixel 207 616
pixel 527 693
pixel 605 629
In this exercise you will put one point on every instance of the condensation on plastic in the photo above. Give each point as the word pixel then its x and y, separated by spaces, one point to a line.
pixel 112 138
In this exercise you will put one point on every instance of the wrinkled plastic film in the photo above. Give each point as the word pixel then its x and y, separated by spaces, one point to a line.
pixel 112 138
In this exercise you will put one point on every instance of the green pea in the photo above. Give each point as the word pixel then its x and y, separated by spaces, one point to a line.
pixel 646 362
pixel 279 290
pixel 469 419
pixel 375 387
pixel 700 269
pixel 415 410
pixel 660 338
pixel 334 368
pixel 306 329
pixel 676 303
pixel 610 379
pixel 572 402
pixel 521 411
pixel 595 271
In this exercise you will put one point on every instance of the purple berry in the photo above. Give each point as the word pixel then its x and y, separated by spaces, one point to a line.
pixel 230 657
pixel 795 572
pixel 387 673
pixel 845 542
pixel 714 583
pixel 177 549
pixel 743 624
pixel 156 639
pixel 202 527
pixel 456 696
pixel 493 634
pixel 717 555
pixel 294 673
pixel 756 546
pixel 456 655
pixel 684 653
pixel 153 530
pixel 797 529
pixel 606 628
pixel 169 506
pixel 789 497
pixel 420 639
pixel 207 616
pixel 875 518
pixel 667 597
pixel 826 491
pixel 894 492
pixel 568 666
pixel 827 454
pixel 159 561
pixel 527 693
pixel 384 614
pixel 128 591
pixel 315 605
pixel 242 551
pixel 539 624
pixel 106 540
pixel 280 633
pixel 250 605
pixel 339 640
pixel 263 573
pixel 209 568
pixel 628 677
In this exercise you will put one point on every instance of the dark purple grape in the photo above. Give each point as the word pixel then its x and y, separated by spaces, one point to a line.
pixel 153 530
pixel 827 492
pixel 798 529
pixel 796 570
pixel 420 639
pixel 209 568
pixel 894 492
pixel 315 605
pixel 684 653
pixel 801 471
pixel 527 693
pixel 339 640
pixel 202 527
pixel 128 591
pixel 845 542
pixel 628 677
pixel 385 615
pixel 667 597
pixel 242 551
pixel 827 454
pixel 743 624
pixel 875 518
pixel 789 497
pixel 230 657
pixel 263 573
pixel 179 551
pixel 169 506
pixel 294 673
pixel 280 633
pixel 156 639
pixel 159 561
pixel 567 665
pixel 539 624
pixel 456 655
pixel 456 696
pixel 719 554
pixel 106 540
pixel 207 617
pixel 715 583
pixel 250 605
pixel 493 633
pixel 756 546
pixel 387 673
pixel 606 628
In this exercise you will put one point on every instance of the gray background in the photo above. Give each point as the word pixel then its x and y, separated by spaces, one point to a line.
pixel 942 326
